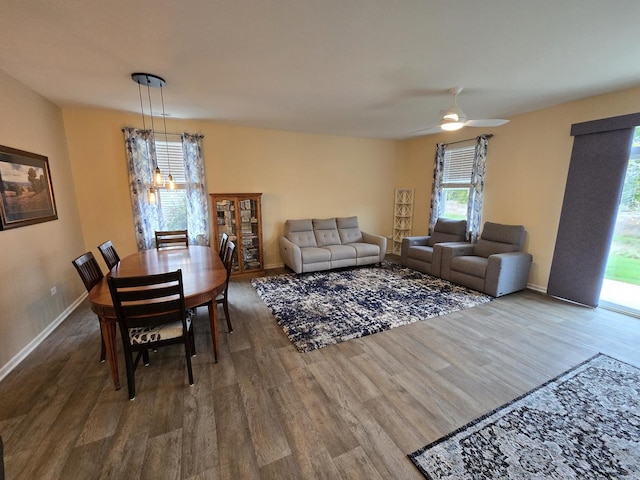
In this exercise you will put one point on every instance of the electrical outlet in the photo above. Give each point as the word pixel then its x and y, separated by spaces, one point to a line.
pixel 53 291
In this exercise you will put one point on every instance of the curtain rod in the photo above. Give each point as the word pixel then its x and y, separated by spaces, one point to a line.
pixel 488 135
pixel 155 132
pixel 167 133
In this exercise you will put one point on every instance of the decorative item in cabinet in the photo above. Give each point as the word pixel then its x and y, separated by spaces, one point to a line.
pixel 402 216
pixel 239 215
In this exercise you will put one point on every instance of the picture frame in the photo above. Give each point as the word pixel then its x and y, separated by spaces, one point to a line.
pixel 25 188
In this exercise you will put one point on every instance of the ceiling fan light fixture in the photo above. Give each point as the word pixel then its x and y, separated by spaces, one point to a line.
pixel 451 125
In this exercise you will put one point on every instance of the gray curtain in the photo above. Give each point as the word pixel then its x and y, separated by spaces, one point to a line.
pixel 197 198
pixel 141 161
pixel 594 185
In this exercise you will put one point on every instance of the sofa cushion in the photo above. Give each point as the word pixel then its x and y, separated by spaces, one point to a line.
pixel 365 249
pixel 341 252
pixel 315 255
pixel 326 232
pixel 300 232
pixel 349 230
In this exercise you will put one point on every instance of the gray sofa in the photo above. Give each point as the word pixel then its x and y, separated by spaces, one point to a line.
pixel 495 265
pixel 322 244
pixel 421 253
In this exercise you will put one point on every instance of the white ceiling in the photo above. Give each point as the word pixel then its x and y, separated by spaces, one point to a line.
pixel 370 68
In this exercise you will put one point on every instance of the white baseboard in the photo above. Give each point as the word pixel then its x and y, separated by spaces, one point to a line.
pixel 537 288
pixel 31 346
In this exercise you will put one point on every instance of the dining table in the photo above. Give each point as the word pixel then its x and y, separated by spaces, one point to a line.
pixel 203 275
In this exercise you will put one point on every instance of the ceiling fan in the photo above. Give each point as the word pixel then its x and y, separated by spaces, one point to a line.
pixel 454 118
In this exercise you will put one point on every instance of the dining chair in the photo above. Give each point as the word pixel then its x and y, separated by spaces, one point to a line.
pixel 172 238
pixel 151 313
pixel 222 298
pixel 90 273
pixel 108 251
pixel 224 238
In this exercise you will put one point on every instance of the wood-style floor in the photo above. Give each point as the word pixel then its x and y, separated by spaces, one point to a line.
pixel 266 411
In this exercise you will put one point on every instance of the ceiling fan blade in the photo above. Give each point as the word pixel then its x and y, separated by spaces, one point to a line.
pixel 486 122
pixel 427 131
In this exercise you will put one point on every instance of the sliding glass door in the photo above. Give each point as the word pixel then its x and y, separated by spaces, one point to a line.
pixel 621 286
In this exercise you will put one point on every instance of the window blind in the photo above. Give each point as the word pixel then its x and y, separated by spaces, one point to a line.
pixel 170 161
pixel 458 165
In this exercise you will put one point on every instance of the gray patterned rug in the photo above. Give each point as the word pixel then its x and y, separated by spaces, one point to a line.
pixel 324 308
pixel 584 424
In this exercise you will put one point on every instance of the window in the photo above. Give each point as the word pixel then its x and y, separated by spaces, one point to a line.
pixel 172 204
pixel 456 182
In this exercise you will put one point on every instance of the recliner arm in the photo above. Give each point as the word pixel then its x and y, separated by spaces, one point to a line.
pixel 377 240
pixel 411 242
pixel 507 272
pixel 291 254
pixel 450 250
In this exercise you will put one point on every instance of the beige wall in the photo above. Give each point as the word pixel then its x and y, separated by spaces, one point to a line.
pixel 527 167
pixel 299 175
pixel 36 257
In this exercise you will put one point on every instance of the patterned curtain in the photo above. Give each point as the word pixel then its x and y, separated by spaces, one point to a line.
pixel 197 199
pixel 474 208
pixel 141 160
pixel 437 192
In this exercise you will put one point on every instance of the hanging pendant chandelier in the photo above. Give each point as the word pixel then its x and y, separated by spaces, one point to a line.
pixel 149 80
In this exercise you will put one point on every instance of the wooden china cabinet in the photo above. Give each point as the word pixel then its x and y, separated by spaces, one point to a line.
pixel 239 215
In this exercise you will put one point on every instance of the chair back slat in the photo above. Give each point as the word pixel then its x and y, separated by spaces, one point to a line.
pixel 148 300
pixel 88 269
pixel 108 251
pixel 172 238
pixel 228 258
pixel 224 238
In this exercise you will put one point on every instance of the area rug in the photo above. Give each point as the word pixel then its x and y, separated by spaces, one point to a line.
pixel 324 308
pixel 584 424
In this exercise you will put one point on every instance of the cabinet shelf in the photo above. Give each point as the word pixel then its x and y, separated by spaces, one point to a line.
pixel 239 215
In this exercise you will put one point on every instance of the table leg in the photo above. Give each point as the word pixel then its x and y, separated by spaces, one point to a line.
pixel 109 335
pixel 213 320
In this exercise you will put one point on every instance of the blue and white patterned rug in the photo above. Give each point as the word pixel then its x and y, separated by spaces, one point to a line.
pixel 324 308
pixel 584 424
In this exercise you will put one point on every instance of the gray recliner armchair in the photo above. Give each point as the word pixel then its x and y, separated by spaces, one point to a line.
pixel 420 252
pixel 495 265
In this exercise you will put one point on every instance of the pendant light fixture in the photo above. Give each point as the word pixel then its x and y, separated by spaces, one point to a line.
pixel 149 80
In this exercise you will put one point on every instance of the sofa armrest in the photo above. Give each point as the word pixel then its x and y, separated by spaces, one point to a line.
pixel 291 254
pixel 411 242
pixel 377 240
pixel 507 272
pixel 449 250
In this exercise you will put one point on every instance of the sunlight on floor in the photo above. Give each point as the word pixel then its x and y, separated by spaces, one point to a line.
pixel 621 297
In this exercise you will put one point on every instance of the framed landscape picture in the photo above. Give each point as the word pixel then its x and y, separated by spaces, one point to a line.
pixel 26 190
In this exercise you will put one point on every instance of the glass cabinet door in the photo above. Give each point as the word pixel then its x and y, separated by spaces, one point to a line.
pixel 250 235
pixel 226 218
